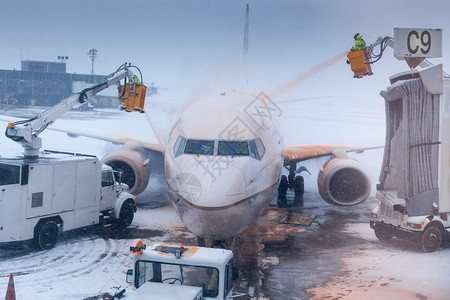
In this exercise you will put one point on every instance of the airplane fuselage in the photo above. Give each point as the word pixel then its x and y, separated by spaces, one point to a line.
pixel 223 163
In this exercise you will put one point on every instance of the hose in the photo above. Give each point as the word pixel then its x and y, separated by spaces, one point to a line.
pixel 123 91
pixel 12 137
pixel 16 138
pixel 376 57
pixel 125 65
pixel 140 73
pixel 83 98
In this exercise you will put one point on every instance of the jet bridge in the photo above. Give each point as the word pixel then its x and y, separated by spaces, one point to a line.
pixel 415 174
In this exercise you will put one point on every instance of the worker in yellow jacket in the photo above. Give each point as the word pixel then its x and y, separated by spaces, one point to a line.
pixel 136 79
pixel 359 42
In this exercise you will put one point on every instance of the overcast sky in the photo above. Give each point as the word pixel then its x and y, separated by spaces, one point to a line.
pixel 179 43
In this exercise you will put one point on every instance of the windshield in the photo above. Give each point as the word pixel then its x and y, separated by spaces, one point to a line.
pixel 204 277
pixel 199 147
pixel 253 148
pixel 232 148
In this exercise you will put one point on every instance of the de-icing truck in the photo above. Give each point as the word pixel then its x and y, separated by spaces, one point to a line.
pixel 43 193
pixel 414 188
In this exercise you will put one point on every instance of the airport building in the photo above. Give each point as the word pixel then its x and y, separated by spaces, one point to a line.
pixel 43 83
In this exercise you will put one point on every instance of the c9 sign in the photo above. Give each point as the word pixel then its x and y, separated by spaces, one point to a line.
pixel 417 42
pixel 414 43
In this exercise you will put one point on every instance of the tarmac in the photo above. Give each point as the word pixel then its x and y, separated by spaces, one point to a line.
pixel 314 250
pixel 309 251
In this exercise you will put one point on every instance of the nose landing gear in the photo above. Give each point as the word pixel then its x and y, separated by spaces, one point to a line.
pixel 292 182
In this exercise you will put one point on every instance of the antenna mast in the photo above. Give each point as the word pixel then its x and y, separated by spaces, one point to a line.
pixel 246 31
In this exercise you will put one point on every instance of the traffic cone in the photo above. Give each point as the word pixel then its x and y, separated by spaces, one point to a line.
pixel 10 292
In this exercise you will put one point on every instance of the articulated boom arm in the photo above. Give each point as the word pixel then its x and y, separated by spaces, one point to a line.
pixel 26 132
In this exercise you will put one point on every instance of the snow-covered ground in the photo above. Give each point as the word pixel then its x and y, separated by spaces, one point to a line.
pixel 85 262
pixel 393 270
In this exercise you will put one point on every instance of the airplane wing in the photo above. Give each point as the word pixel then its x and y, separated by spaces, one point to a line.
pixel 301 153
pixel 115 138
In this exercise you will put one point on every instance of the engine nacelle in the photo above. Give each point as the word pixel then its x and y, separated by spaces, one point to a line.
pixel 343 181
pixel 134 167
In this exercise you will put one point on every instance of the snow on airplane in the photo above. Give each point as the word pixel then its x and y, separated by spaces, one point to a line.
pixel 223 164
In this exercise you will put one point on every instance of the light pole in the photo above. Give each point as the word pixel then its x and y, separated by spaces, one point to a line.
pixel 92 55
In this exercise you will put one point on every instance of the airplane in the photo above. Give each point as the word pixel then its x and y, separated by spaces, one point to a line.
pixel 223 164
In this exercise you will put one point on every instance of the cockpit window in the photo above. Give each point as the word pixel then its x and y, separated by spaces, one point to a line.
pixel 260 146
pixel 232 148
pixel 253 150
pixel 199 147
pixel 178 147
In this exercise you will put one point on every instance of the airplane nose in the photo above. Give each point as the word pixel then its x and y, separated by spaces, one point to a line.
pixel 216 181
pixel 216 198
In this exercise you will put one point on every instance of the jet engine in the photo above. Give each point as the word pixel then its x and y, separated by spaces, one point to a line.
pixel 343 181
pixel 134 167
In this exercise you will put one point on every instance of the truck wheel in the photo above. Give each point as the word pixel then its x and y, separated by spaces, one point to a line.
pixel 431 239
pixel 383 234
pixel 46 236
pixel 126 215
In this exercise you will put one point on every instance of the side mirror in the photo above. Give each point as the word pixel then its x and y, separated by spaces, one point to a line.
pixel 130 276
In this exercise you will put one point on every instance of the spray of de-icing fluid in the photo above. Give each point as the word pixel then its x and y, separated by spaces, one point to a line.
pixel 292 83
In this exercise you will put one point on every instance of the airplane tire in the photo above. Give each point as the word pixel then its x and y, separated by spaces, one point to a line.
pixel 46 235
pixel 431 239
pixel 383 234
pixel 283 186
pixel 299 186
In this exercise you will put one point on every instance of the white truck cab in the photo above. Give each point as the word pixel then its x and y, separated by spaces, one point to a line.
pixel 164 271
